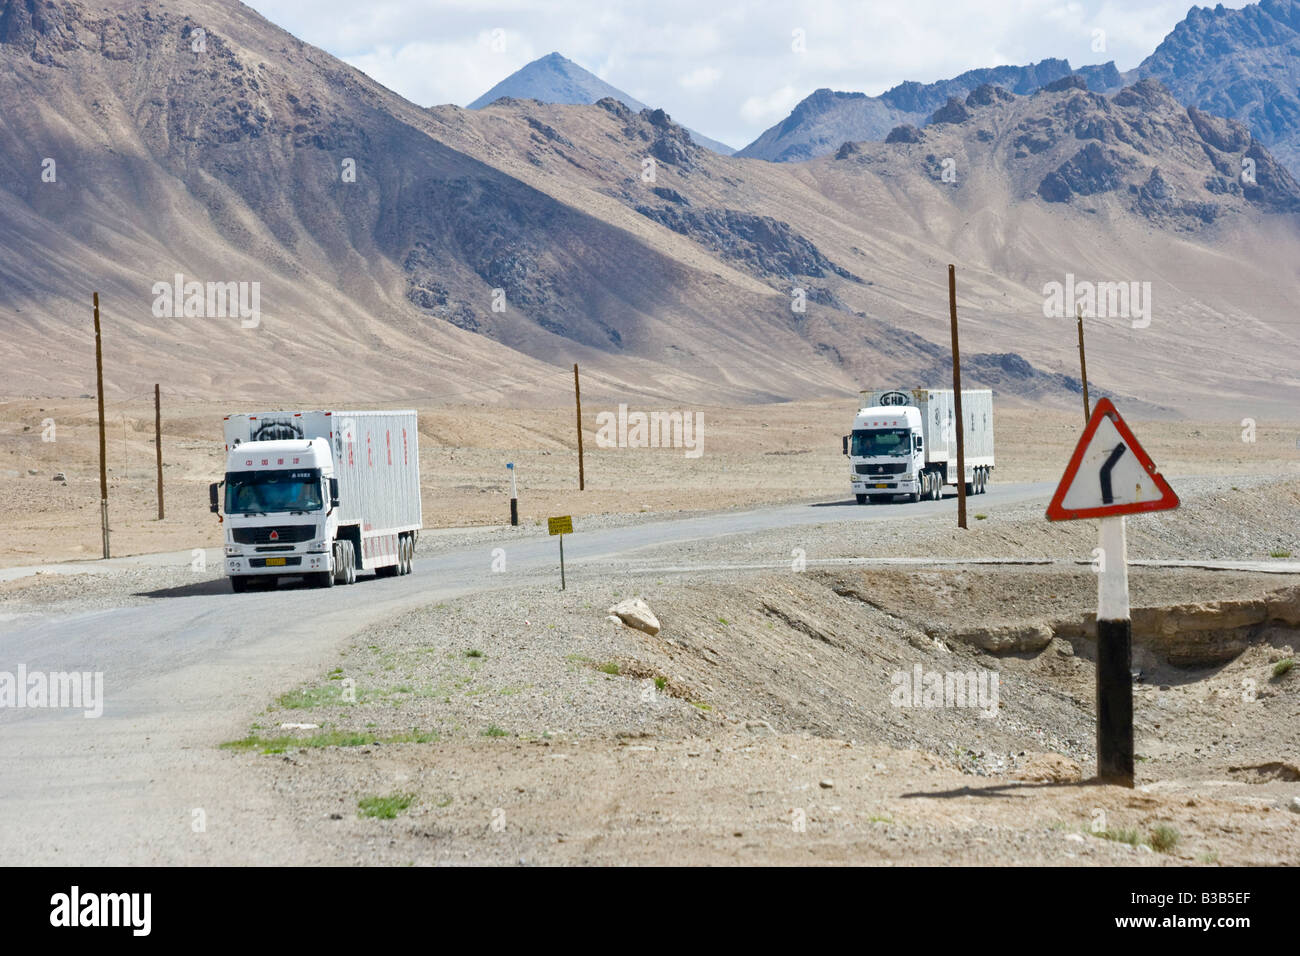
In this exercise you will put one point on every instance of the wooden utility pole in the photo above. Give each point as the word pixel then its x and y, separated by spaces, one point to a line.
pixel 1083 369
pixel 103 447
pixel 577 397
pixel 956 398
pixel 157 443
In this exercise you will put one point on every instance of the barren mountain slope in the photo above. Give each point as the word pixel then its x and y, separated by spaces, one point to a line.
pixel 221 156
pixel 478 253
pixel 1130 188
pixel 1241 63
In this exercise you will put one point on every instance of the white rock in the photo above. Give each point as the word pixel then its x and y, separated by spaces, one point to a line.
pixel 634 612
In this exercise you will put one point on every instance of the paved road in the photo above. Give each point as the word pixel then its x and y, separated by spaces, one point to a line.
pixel 190 668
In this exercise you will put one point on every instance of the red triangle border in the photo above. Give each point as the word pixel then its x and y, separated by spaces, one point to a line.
pixel 1056 510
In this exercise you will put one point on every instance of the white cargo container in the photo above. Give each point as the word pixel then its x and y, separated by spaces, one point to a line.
pixel 321 494
pixel 904 442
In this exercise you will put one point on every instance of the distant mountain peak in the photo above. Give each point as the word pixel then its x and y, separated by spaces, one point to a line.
pixel 1239 63
pixel 555 78
pixel 826 118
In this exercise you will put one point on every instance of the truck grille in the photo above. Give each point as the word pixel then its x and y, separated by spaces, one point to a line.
pixel 290 534
pixel 886 469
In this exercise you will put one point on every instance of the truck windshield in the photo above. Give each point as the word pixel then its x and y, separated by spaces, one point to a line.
pixel 874 442
pixel 264 492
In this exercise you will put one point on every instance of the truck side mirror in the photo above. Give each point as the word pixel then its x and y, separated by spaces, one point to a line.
pixel 918 443
pixel 334 492
pixel 846 444
pixel 214 496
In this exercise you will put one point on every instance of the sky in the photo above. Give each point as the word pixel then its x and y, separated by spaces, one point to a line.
pixel 727 68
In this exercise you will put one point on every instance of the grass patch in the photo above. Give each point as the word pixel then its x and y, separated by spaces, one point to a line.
pixel 980 517
pixel 609 667
pixel 1128 835
pixel 1164 838
pixel 701 705
pixel 329 738
pixel 384 808
pixel 309 697
pixel 494 731
pixel 1279 554
pixel 474 652
pixel 661 683
pixel 1283 667
pixel 1210 856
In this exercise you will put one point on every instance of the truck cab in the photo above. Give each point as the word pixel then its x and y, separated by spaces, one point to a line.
pixel 886 451
pixel 280 504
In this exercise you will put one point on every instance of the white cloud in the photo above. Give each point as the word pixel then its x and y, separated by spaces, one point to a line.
pixel 773 106
pixel 702 78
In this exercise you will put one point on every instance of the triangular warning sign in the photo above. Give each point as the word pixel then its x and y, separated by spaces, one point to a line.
pixel 1109 474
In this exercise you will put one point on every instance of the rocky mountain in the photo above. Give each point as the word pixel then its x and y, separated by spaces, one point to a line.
pixel 1243 64
pixel 556 79
pixel 824 120
pixel 450 254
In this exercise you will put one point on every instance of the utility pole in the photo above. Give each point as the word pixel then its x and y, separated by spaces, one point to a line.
pixel 956 397
pixel 157 443
pixel 103 448
pixel 1083 368
pixel 577 397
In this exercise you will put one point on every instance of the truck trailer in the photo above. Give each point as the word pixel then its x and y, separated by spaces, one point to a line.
pixel 904 442
pixel 319 495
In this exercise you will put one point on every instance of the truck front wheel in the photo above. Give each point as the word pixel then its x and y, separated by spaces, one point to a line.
pixel 862 499
pixel 238 583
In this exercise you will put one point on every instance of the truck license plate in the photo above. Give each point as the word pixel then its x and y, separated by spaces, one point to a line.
pixel 275 562
pixel 882 486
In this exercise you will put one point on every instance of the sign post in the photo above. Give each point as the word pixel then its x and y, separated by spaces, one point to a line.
pixel 561 526
pixel 1110 476
pixel 514 499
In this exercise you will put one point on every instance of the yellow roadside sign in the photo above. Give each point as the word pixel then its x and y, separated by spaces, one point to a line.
pixel 561 525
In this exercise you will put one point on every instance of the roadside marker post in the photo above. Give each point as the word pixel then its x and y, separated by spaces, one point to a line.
pixel 561 526
pixel 1108 477
pixel 514 498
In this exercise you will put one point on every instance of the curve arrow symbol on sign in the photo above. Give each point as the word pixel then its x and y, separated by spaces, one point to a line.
pixel 1107 496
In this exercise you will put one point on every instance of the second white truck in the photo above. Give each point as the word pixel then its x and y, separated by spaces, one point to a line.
pixel 904 442
pixel 319 495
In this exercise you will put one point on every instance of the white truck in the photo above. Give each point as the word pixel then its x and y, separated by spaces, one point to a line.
pixel 904 442
pixel 319 495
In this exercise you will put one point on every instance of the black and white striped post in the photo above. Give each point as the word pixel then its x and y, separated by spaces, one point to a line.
pixel 514 498
pixel 1114 658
